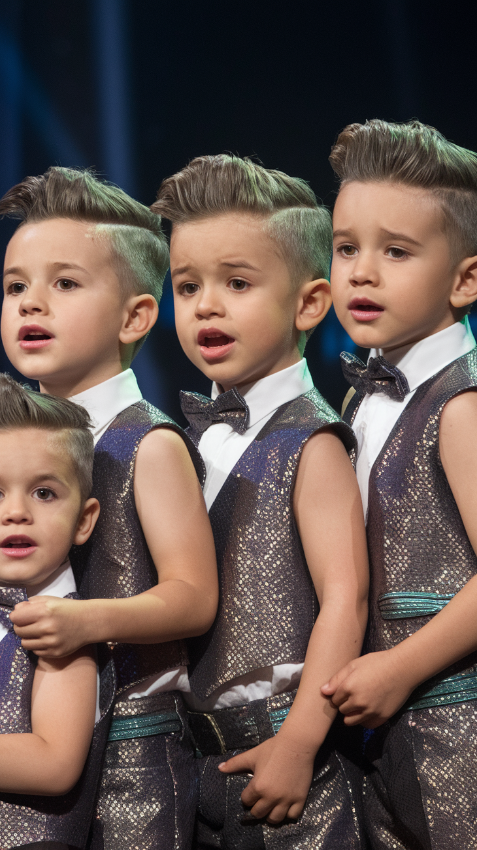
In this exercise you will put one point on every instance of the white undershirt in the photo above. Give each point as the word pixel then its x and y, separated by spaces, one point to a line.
pixel 221 447
pixel 104 402
pixel 377 413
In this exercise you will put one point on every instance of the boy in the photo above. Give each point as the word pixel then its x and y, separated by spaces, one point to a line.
pixel 403 276
pixel 82 274
pixel 249 249
pixel 47 709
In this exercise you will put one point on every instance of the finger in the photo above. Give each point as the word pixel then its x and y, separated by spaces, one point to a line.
pixel 237 764
pixel 250 795
pixel 278 813
pixel 335 682
pixel 355 719
pixel 262 808
pixel 295 810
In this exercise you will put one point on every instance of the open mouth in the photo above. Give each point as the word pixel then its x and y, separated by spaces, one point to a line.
pixel 33 336
pixel 214 343
pixel 362 309
pixel 17 545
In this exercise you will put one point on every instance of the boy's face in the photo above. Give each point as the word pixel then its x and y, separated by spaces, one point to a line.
pixel 235 304
pixel 62 309
pixel 392 275
pixel 40 506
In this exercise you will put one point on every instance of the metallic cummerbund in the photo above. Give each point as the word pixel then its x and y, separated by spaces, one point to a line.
pixel 453 689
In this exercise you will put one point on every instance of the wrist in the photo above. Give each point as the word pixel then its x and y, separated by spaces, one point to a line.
pixel 406 666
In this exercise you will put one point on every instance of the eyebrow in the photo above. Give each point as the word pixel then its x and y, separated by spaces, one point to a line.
pixel 400 237
pixel 57 265
pixel 240 264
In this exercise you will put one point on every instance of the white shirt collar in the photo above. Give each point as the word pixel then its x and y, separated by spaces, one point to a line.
pixel 425 358
pixel 107 400
pixel 268 394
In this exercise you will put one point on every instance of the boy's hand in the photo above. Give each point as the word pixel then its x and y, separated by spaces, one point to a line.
pixel 370 689
pixel 281 779
pixel 50 626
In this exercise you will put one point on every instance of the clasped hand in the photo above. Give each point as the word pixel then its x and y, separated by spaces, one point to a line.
pixel 370 689
pixel 49 625
pixel 281 779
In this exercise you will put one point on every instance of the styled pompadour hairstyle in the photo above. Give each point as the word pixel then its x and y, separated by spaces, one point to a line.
pixel 214 185
pixel 21 407
pixel 415 154
pixel 139 252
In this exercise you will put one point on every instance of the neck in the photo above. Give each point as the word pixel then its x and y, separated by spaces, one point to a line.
pixel 65 388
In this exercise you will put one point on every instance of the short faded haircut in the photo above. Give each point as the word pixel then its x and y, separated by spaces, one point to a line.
pixel 214 185
pixel 414 154
pixel 21 407
pixel 139 252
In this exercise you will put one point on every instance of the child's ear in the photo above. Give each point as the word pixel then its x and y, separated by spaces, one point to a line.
pixel 140 315
pixel 314 301
pixel 87 521
pixel 464 291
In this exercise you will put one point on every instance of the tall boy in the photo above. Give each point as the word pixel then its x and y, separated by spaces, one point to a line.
pixel 403 276
pixel 249 250
pixel 47 708
pixel 82 274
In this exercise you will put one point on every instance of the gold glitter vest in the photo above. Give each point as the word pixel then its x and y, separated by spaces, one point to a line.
pixel 416 538
pixel 267 605
pixel 115 562
pixel 27 819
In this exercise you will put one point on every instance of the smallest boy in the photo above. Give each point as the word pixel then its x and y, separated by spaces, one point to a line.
pixel 47 708
pixel 403 276
pixel 249 251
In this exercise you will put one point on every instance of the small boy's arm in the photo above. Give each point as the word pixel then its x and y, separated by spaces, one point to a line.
pixel 329 516
pixel 174 520
pixel 49 759
pixel 371 689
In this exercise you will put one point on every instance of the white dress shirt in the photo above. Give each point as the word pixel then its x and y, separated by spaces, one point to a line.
pixel 104 402
pixel 221 447
pixel 377 413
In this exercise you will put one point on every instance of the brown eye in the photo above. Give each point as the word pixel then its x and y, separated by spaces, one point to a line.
pixel 44 494
pixel 16 288
pixel 238 285
pixel 65 285
pixel 189 288
pixel 348 250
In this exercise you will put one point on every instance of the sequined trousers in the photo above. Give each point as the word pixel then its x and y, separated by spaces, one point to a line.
pixel 148 792
pixel 420 791
pixel 331 819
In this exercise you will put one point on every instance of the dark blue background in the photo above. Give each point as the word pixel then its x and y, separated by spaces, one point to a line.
pixel 136 88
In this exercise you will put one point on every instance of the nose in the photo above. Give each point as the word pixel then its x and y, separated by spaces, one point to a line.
pixel 14 511
pixel 209 303
pixel 33 301
pixel 364 270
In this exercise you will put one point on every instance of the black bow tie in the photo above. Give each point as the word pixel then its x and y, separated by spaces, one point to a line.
pixel 228 407
pixel 378 376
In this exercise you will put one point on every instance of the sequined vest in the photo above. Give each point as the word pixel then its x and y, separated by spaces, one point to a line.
pixel 115 562
pixel 416 538
pixel 267 602
pixel 26 819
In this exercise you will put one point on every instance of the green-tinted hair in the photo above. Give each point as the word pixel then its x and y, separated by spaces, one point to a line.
pixel 21 407
pixel 417 155
pixel 214 185
pixel 139 251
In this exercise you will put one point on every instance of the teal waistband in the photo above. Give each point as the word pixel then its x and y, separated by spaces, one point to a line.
pixel 144 725
pixel 459 688
pixel 400 605
pixel 277 717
